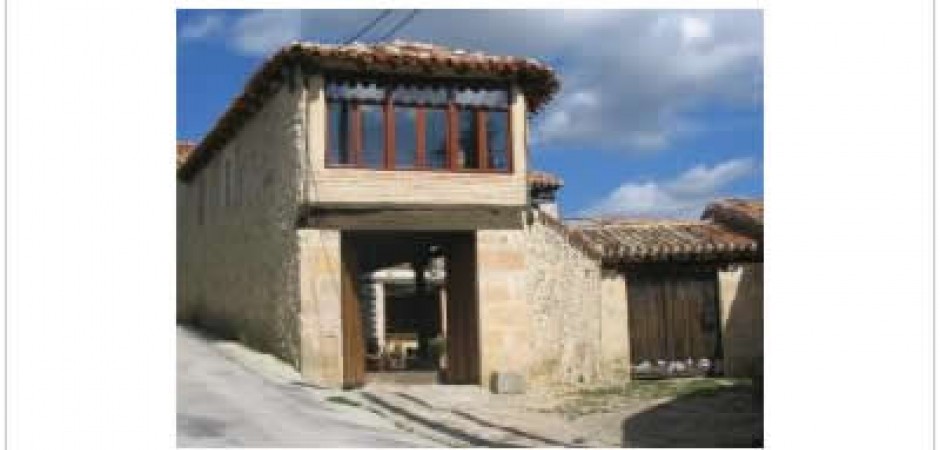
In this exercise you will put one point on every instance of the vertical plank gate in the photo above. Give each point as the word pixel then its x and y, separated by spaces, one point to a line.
pixel 463 346
pixel 673 315
pixel 354 359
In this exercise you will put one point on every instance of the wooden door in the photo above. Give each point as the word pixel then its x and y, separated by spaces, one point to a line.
pixel 463 346
pixel 673 315
pixel 354 359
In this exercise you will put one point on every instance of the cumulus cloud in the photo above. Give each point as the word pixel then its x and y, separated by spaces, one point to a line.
pixel 202 27
pixel 631 80
pixel 684 196
pixel 651 74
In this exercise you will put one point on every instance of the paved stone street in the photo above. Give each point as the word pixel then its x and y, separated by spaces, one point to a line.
pixel 230 395
pixel 222 404
pixel 660 413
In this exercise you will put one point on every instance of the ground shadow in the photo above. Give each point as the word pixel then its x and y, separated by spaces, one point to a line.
pixel 724 417
pixel 435 425
pixel 515 431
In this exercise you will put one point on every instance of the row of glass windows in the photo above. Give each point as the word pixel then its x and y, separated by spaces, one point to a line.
pixel 413 95
pixel 408 128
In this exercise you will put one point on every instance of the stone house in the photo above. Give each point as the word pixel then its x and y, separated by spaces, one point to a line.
pixel 694 287
pixel 354 195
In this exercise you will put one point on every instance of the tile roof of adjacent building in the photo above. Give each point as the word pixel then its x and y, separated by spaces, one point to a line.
pixel 415 60
pixel 742 215
pixel 631 241
pixel 183 150
pixel 538 179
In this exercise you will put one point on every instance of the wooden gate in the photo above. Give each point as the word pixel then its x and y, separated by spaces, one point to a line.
pixel 354 370
pixel 673 316
pixel 463 346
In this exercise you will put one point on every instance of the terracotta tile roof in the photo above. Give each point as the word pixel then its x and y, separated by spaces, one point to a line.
pixel 630 241
pixel 183 150
pixel 742 215
pixel 404 60
pixel 543 180
pixel 537 79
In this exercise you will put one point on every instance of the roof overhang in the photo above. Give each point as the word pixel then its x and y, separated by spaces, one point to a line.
pixel 631 242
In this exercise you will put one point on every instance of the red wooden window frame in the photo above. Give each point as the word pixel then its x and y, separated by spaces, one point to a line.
pixel 452 110
pixel 389 128
pixel 421 139
pixel 483 118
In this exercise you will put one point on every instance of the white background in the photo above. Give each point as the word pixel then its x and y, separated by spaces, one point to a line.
pixel 91 232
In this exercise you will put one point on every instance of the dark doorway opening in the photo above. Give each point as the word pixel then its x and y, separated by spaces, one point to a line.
pixel 409 307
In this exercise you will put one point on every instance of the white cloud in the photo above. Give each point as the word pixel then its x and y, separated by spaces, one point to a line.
pixel 684 196
pixel 695 29
pixel 203 27
pixel 631 80
pixel 264 31
pixel 651 72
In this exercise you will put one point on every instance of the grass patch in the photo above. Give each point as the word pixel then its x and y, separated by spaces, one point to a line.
pixel 657 389
pixel 608 398
pixel 343 401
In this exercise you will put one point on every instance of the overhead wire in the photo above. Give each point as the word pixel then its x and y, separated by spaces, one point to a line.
pixel 401 24
pixel 368 27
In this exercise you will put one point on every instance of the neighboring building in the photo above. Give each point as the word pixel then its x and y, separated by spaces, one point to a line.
pixel 742 294
pixel 694 302
pixel 543 188
pixel 355 195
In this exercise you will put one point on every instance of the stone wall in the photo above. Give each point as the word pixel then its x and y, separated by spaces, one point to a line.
pixel 321 307
pixel 564 302
pixel 505 335
pixel 237 263
pixel 741 296
pixel 615 331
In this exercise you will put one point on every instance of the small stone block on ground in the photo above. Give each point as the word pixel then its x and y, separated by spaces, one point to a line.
pixel 507 383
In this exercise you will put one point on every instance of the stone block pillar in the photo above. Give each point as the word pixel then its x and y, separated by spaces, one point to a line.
pixel 615 329
pixel 504 316
pixel 320 275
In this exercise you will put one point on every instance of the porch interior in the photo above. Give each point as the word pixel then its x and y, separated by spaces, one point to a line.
pixel 414 297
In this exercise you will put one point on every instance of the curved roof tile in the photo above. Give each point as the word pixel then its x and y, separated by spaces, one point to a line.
pixel 629 241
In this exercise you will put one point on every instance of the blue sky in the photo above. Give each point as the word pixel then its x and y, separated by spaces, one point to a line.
pixel 659 111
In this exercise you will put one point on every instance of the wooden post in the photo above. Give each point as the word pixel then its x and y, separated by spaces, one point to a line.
pixel 420 142
pixel 389 113
pixel 356 131
pixel 481 149
pixel 453 133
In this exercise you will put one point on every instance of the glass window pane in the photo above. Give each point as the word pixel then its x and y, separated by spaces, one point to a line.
pixel 435 138
pixel 424 96
pixel 343 91
pixel 497 140
pixel 467 140
pixel 373 137
pixel 491 98
pixel 338 147
pixel 406 136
